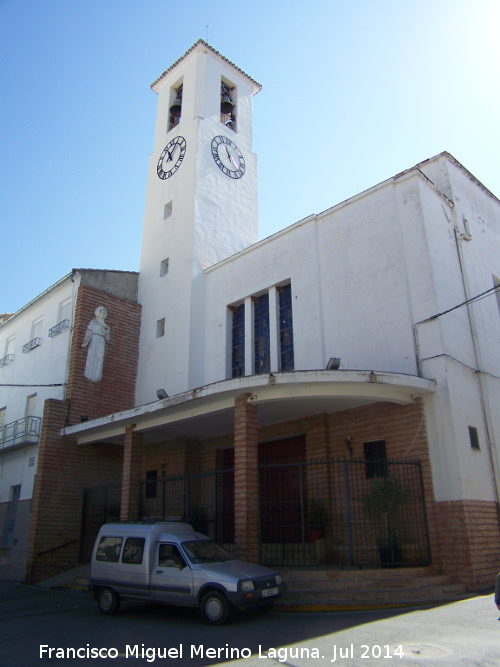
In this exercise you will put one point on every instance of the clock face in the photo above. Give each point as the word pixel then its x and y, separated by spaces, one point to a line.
pixel 171 158
pixel 228 157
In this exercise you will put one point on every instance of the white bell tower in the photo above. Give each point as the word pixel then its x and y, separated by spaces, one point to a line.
pixel 201 207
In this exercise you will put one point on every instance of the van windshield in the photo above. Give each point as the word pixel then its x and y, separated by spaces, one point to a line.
pixel 205 551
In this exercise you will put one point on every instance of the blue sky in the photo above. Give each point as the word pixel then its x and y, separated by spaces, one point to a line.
pixel 353 93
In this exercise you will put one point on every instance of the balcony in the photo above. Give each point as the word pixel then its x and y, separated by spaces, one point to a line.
pixel 58 328
pixel 25 431
pixel 8 359
pixel 35 342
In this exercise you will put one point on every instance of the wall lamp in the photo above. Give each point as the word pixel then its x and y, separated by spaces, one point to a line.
pixel 161 393
pixel 333 364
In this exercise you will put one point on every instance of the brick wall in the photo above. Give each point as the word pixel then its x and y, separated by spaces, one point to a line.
pixel 116 390
pixel 64 470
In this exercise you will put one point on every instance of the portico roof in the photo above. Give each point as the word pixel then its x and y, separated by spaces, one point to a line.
pixel 208 411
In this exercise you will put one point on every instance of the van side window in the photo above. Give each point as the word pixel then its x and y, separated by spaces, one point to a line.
pixel 134 548
pixel 109 549
pixel 169 556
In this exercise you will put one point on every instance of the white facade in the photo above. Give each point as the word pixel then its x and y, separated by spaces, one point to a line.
pixel 194 218
pixel 31 375
pixel 365 276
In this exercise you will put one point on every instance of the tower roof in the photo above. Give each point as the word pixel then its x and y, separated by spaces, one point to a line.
pixel 201 45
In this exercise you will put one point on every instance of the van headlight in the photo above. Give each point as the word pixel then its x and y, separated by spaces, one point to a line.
pixel 247 585
pixel 279 579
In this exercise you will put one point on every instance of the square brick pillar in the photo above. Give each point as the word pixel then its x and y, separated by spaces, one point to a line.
pixel 131 475
pixel 246 482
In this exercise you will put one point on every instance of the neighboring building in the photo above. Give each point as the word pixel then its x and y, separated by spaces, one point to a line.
pixel 38 345
pixel 326 396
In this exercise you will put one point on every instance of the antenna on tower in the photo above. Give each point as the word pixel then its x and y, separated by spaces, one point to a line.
pixel 206 40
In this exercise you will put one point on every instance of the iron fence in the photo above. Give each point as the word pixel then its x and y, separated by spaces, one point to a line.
pixel 344 513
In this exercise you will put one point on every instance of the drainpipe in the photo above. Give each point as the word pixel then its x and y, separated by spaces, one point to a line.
pixel 459 237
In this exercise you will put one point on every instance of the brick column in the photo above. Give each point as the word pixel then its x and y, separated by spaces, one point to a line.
pixel 246 491
pixel 131 475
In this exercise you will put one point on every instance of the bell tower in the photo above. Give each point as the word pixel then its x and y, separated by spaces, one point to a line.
pixel 201 207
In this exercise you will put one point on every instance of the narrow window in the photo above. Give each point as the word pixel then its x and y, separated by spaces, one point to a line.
pixel 228 105
pixel 286 328
pixel 376 459
pixel 262 337
pixel 160 327
pixel 238 341
pixel 474 438
pixel 164 267
pixel 64 311
pixel 167 210
pixel 31 405
pixel 175 108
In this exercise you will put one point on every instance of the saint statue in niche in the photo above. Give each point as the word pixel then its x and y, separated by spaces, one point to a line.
pixel 96 337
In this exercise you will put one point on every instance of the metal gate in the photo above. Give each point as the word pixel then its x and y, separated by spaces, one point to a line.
pixel 346 513
pixel 100 505
pixel 343 512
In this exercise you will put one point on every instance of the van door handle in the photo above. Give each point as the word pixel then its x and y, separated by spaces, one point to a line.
pixel 159 572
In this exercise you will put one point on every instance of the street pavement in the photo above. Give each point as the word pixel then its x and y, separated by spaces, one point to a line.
pixel 60 627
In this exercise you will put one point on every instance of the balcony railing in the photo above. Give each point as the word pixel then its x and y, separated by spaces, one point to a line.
pixel 9 358
pixel 58 328
pixel 21 432
pixel 31 345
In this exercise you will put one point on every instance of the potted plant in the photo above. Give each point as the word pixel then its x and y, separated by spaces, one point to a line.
pixel 381 503
pixel 316 519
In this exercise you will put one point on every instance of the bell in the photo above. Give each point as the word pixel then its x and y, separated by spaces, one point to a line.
pixel 226 104
pixel 176 107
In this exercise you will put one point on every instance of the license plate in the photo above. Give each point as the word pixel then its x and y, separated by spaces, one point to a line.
pixel 269 592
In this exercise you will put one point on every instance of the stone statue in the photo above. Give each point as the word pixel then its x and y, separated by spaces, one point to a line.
pixel 96 337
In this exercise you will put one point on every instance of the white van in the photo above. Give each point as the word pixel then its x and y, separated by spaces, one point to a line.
pixel 169 562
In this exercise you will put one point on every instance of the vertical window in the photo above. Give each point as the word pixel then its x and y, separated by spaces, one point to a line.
pixel 474 437
pixel 286 328
pixel 175 108
pixel 65 311
pixel 36 329
pixel 9 346
pixel 167 210
pixel 376 458
pixel 2 417
pixel 164 267
pixel 228 105
pixel 31 405
pixel 262 337
pixel 160 327
pixel 238 341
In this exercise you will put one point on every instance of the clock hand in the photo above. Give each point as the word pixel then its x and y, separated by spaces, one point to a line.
pixel 231 158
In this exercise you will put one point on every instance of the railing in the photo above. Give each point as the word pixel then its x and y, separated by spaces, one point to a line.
pixel 23 431
pixel 35 342
pixel 9 358
pixel 58 328
pixel 343 513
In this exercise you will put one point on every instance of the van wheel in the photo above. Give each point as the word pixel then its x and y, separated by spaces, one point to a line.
pixel 215 608
pixel 107 601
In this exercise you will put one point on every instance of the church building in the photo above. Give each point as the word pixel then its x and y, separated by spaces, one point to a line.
pixel 327 396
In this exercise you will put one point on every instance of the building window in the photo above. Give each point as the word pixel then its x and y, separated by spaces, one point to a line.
pixel 160 327
pixel 238 341
pixel 376 459
pixel 286 328
pixel 474 438
pixel 151 479
pixel 261 333
pixel 31 405
pixel 167 210
pixel 228 98
pixel 164 267
pixel 175 108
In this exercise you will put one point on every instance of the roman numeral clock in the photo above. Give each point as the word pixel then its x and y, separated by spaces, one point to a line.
pixel 228 157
